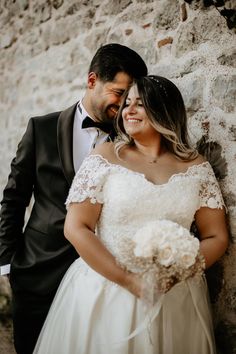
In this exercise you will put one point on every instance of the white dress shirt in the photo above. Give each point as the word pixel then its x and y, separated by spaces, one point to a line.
pixel 84 140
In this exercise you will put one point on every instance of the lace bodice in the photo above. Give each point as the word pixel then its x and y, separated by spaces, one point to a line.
pixel 130 200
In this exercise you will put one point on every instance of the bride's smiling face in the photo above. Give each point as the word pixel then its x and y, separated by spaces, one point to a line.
pixel 135 118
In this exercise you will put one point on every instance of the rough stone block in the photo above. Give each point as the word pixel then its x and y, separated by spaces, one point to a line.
pixel 228 59
pixel 223 91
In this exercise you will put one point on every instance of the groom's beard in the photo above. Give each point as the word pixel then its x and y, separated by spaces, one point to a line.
pixel 107 115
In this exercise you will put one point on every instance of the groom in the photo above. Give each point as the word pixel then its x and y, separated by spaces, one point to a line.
pixel 50 152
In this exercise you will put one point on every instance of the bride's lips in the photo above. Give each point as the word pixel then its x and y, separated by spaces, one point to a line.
pixel 133 120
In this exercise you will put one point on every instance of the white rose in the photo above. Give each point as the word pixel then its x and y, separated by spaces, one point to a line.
pixel 186 260
pixel 190 245
pixel 143 250
pixel 166 255
pixel 145 242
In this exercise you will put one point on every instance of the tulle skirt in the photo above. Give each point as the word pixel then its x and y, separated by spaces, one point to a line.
pixel 91 315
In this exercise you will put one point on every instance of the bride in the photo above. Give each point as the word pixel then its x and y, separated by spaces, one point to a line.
pixel 150 173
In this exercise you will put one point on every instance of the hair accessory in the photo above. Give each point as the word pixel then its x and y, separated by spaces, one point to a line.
pixel 159 84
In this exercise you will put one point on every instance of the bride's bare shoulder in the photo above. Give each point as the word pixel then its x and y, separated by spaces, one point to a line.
pixel 198 160
pixel 106 150
pixel 182 166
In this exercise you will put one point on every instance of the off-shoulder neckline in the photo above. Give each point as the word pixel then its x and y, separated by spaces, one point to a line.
pixel 179 174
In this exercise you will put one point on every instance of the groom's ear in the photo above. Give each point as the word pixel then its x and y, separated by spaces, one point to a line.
pixel 92 79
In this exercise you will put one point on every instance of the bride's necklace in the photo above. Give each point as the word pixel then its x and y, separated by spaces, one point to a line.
pixel 150 159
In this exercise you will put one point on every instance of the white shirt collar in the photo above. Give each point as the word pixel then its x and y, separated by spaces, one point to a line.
pixel 84 140
pixel 81 112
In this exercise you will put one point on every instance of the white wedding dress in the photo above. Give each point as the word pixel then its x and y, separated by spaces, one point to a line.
pixel 91 315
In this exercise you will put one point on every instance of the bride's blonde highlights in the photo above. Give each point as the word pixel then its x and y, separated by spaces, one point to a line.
pixel 165 108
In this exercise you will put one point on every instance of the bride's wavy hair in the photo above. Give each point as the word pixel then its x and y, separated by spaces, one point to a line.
pixel 165 109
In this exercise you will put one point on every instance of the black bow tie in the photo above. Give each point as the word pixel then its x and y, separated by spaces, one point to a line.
pixel 104 126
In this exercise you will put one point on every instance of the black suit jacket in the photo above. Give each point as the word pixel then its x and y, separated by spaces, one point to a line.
pixel 43 165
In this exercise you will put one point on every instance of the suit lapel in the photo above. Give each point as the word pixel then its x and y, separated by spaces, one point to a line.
pixel 65 141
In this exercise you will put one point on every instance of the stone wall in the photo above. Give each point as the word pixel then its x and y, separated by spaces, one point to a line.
pixel 45 50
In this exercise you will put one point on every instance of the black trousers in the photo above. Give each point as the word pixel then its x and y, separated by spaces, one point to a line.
pixel 29 312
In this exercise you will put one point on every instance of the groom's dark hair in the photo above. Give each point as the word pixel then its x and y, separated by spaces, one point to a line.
pixel 113 58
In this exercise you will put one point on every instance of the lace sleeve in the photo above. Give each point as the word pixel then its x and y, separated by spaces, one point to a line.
pixel 88 181
pixel 210 193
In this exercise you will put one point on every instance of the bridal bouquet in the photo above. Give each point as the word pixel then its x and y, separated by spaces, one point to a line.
pixel 165 253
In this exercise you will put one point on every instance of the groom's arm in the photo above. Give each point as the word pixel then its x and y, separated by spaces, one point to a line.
pixel 16 197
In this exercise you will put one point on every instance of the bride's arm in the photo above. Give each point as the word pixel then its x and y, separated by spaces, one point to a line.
pixel 79 229
pixel 211 224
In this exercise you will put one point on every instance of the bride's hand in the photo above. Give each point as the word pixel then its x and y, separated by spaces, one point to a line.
pixel 133 284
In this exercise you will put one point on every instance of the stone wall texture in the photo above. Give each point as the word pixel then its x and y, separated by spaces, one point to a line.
pixel 45 50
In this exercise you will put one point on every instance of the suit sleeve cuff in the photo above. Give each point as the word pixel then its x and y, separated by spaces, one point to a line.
pixel 5 269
